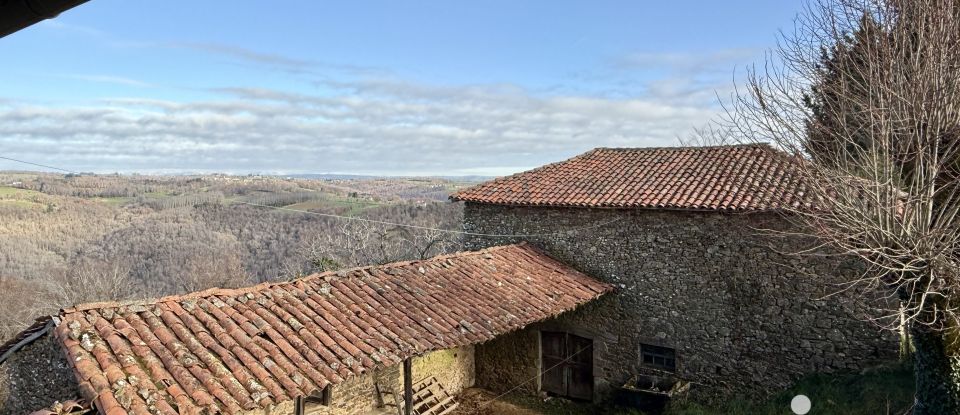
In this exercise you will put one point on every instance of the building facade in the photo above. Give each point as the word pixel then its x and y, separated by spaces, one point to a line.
pixel 326 344
pixel 714 296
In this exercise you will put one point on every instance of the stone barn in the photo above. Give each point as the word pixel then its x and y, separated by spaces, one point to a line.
pixel 708 294
pixel 327 344
pixel 664 269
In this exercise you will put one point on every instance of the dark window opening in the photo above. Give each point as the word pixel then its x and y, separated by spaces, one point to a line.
pixel 659 357
pixel 306 404
pixel 320 397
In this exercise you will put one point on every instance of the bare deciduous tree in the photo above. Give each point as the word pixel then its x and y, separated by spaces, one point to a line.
pixel 357 244
pixel 878 146
pixel 90 281
pixel 221 270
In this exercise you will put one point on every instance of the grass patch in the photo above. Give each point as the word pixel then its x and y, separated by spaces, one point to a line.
pixel 886 390
pixel 13 191
pixel 877 391
pixel 353 206
pixel 26 204
pixel 114 201
pixel 19 198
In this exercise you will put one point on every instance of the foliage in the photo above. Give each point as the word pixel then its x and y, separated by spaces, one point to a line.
pixel 877 144
pixel 837 75
pixel 884 390
pixel 67 240
pixel 879 391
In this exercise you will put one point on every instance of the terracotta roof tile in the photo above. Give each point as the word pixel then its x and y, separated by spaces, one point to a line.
pixel 741 177
pixel 231 351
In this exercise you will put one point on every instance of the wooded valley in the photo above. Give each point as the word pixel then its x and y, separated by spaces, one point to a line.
pixel 68 239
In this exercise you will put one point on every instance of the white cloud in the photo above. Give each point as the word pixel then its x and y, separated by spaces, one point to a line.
pixel 59 25
pixel 109 79
pixel 687 61
pixel 382 127
pixel 268 60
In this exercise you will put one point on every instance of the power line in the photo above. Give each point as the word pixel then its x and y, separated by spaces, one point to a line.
pixel 380 222
pixel 38 164
pixel 517 386
pixel 427 228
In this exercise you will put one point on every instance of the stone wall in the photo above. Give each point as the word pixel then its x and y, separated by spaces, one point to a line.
pixel 742 317
pixel 453 368
pixel 35 377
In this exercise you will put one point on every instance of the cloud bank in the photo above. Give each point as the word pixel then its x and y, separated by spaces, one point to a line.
pixel 362 121
pixel 372 127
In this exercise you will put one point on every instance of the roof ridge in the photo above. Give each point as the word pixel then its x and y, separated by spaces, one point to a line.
pixel 343 273
pixel 675 177
pixel 763 144
pixel 455 196
pixel 535 169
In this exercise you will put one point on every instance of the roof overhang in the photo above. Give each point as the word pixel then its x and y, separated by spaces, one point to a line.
pixel 278 341
pixel 18 14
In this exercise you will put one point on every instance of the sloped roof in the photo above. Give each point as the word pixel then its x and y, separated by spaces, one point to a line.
pixel 751 177
pixel 227 351
pixel 25 337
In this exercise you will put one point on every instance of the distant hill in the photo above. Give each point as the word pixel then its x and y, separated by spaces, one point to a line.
pixel 333 176
pixel 68 238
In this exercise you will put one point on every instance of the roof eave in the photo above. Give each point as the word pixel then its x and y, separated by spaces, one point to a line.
pixel 19 14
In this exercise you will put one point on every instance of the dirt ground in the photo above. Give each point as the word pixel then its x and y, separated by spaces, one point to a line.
pixel 476 401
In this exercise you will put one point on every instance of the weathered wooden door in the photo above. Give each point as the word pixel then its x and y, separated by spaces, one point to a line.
pixel 567 364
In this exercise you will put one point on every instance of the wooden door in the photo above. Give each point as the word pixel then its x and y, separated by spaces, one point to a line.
pixel 554 352
pixel 567 365
pixel 580 367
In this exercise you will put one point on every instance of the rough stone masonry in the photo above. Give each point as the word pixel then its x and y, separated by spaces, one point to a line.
pixel 742 311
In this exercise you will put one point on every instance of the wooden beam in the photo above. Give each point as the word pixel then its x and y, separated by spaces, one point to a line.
pixel 298 406
pixel 408 387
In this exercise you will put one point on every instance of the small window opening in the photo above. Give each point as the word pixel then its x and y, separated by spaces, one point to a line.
pixel 659 357
pixel 305 405
pixel 321 397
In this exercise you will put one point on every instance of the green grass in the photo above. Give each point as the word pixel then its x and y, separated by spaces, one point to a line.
pixel 354 206
pixel 12 196
pixel 878 391
pixel 114 201
pixel 26 204
pixel 13 191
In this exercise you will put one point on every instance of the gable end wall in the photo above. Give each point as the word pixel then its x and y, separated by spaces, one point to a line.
pixel 707 284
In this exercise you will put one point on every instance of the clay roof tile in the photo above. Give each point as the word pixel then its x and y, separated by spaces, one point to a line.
pixel 739 177
pixel 230 351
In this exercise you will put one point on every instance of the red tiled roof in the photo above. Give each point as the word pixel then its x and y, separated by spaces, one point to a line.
pixel 227 351
pixel 741 177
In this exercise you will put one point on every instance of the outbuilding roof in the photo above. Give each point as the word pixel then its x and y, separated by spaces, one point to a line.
pixel 230 351
pixel 752 177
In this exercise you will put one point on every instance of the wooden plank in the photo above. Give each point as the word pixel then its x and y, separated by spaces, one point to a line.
pixel 408 387
pixel 422 394
pixel 450 408
pixel 426 383
pixel 380 402
pixel 436 409
pixel 396 402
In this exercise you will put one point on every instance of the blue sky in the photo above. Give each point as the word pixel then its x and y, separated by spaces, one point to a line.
pixel 385 87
